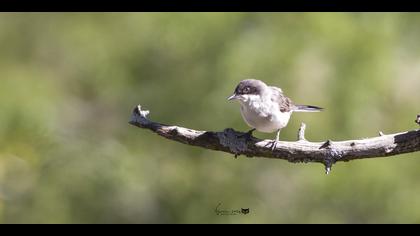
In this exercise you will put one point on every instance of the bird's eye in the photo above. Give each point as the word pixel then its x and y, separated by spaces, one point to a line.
pixel 246 90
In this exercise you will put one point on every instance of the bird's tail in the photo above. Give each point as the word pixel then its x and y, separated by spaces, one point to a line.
pixel 307 108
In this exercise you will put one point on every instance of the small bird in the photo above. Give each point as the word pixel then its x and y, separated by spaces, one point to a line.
pixel 265 108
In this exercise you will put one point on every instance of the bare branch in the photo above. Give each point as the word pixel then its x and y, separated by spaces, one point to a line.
pixel 328 152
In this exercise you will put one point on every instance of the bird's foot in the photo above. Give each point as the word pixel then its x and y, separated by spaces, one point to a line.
pixel 247 135
pixel 272 144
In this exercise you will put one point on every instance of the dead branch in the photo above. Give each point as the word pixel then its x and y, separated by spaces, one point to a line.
pixel 328 152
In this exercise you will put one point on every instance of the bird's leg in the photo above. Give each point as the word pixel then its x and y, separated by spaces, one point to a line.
pixel 250 131
pixel 248 134
pixel 275 142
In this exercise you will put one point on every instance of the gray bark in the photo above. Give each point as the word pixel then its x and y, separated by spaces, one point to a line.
pixel 328 152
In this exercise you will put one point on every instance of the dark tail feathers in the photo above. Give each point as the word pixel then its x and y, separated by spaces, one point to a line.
pixel 307 108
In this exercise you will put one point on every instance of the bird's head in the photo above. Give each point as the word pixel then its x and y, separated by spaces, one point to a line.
pixel 248 89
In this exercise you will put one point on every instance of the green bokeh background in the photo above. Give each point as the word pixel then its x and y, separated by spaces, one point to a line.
pixel 69 81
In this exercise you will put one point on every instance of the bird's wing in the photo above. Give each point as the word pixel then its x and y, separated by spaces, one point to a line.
pixel 285 104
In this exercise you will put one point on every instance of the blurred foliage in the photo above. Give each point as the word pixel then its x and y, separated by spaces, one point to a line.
pixel 68 83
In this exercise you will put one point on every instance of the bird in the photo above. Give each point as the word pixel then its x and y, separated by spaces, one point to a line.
pixel 265 108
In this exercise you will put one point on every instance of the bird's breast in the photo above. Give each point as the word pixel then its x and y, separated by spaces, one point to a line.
pixel 265 117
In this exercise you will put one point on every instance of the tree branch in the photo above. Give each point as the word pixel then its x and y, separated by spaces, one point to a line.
pixel 328 152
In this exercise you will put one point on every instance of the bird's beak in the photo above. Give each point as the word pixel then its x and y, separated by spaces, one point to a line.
pixel 231 97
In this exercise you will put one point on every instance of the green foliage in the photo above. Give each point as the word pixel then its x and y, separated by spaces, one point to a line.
pixel 68 83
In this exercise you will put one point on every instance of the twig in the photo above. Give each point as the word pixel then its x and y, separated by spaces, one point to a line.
pixel 301 132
